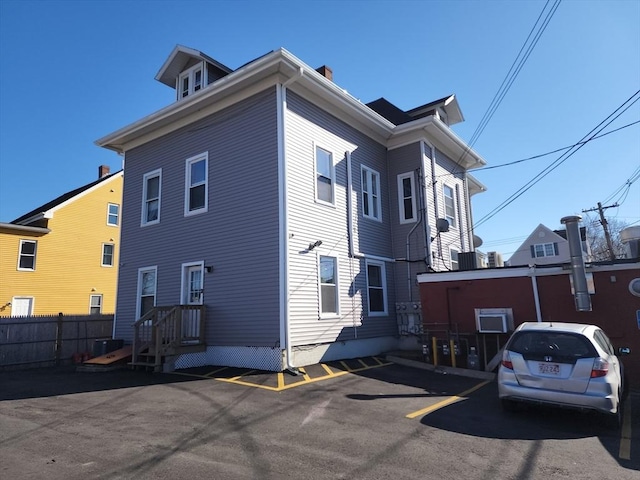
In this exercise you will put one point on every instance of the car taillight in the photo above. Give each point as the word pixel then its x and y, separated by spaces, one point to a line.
pixel 506 360
pixel 600 368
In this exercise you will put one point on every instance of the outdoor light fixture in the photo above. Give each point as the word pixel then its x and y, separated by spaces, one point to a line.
pixel 209 268
pixel 314 245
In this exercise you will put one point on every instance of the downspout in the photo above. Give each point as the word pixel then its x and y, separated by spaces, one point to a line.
pixel 536 297
pixel 435 195
pixel 285 327
pixel 425 212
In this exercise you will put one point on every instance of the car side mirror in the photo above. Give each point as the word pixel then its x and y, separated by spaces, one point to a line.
pixel 624 351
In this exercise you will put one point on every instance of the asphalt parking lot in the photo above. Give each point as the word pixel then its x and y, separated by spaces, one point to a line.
pixel 363 419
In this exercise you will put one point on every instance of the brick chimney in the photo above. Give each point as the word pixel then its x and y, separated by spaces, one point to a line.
pixel 325 72
pixel 103 171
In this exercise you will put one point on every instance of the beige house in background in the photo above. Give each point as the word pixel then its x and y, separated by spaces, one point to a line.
pixel 546 247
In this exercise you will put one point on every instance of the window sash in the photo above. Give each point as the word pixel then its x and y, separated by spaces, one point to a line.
pixel 107 254
pixel 324 176
pixel 406 198
pixel 449 205
pixel 371 193
pixel 376 288
pixel 540 250
pixel 95 304
pixel 196 184
pixel 147 286
pixel 152 190
pixel 113 214
pixel 454 259
pixel 27 256
pixel 328 276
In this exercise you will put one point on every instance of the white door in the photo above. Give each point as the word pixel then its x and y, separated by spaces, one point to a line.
pixel 21 306
pixel 192 295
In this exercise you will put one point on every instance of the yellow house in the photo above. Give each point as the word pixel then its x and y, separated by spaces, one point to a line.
pixel 63 256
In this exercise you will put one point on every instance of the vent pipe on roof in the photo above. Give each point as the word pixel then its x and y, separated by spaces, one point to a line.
pixel 578 272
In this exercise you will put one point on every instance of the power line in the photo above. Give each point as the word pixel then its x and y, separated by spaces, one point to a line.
pixel 534 157
pixel 561 159
pixel 512 74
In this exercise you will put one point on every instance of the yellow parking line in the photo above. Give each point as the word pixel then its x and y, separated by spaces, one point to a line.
pixel 625 436
pixel 242 375
pixel 362 363
pixel 248 384
pixel 327 369
pixel 346 367
pixel 446 402
pixel 379 361
pixel 280 380
pixel 304 374
pixel 215 371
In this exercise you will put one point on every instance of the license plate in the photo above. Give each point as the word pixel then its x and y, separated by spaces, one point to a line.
pixel 549 368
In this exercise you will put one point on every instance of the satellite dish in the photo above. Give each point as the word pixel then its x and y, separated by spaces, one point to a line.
pixel 442 225
pixel 477 241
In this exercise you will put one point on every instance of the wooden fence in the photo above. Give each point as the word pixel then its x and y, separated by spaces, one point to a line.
pixel 51 340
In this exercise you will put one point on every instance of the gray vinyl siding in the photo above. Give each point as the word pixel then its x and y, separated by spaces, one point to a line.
pixel 451 174
pixel 408 159
pixel 238 236
pixel 308 221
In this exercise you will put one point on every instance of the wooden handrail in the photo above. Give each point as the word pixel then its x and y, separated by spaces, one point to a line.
pixel 168 327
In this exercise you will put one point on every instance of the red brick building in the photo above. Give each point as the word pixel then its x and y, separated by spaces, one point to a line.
pixel 459 302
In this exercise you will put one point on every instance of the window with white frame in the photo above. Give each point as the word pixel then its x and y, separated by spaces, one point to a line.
pixel 371 207
pixel 325 173
pixel 95 304
pixel 190 81
pixel 328 267
pixel 407 197
pixel 113 214
pixel 376 288
pixel 27 257
pixel 151 189
pixel 146 290
pixel 544 250
pixel 196 184
pixel 454 259
pixel 107 254
pixel 449 205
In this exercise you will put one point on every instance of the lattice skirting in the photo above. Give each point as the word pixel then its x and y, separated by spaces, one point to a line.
pixel 260 358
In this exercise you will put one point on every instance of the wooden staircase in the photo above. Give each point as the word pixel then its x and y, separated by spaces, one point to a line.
pixel 167 331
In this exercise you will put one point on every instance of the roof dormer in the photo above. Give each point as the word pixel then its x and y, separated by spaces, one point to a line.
pixel 189 71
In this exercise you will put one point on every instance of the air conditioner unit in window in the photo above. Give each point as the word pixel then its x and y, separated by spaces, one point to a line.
pixel 492 323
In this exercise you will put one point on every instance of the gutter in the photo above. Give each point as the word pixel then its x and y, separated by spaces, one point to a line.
pixel 285 325
pixel 23 228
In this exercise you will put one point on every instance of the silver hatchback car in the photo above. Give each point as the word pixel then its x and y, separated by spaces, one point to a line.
pixel 562 364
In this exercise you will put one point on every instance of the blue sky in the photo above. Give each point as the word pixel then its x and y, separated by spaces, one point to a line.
pixel 72 72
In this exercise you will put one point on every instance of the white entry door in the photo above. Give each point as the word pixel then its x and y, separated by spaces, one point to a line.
pixel 192 295
pixel 21 306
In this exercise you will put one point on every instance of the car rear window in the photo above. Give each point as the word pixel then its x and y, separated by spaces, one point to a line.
pixel 557 344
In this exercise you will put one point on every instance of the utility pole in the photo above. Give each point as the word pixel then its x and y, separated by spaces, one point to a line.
pixel 605 226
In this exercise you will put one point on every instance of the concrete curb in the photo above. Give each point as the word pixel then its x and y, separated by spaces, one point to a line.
pixel 464 372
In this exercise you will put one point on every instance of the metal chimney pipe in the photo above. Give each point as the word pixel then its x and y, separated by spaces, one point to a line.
pixel 578 272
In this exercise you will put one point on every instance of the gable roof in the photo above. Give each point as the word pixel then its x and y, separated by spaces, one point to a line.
pixel 46 210
pixel 280 67
pixel 398 116
pixel 179 58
